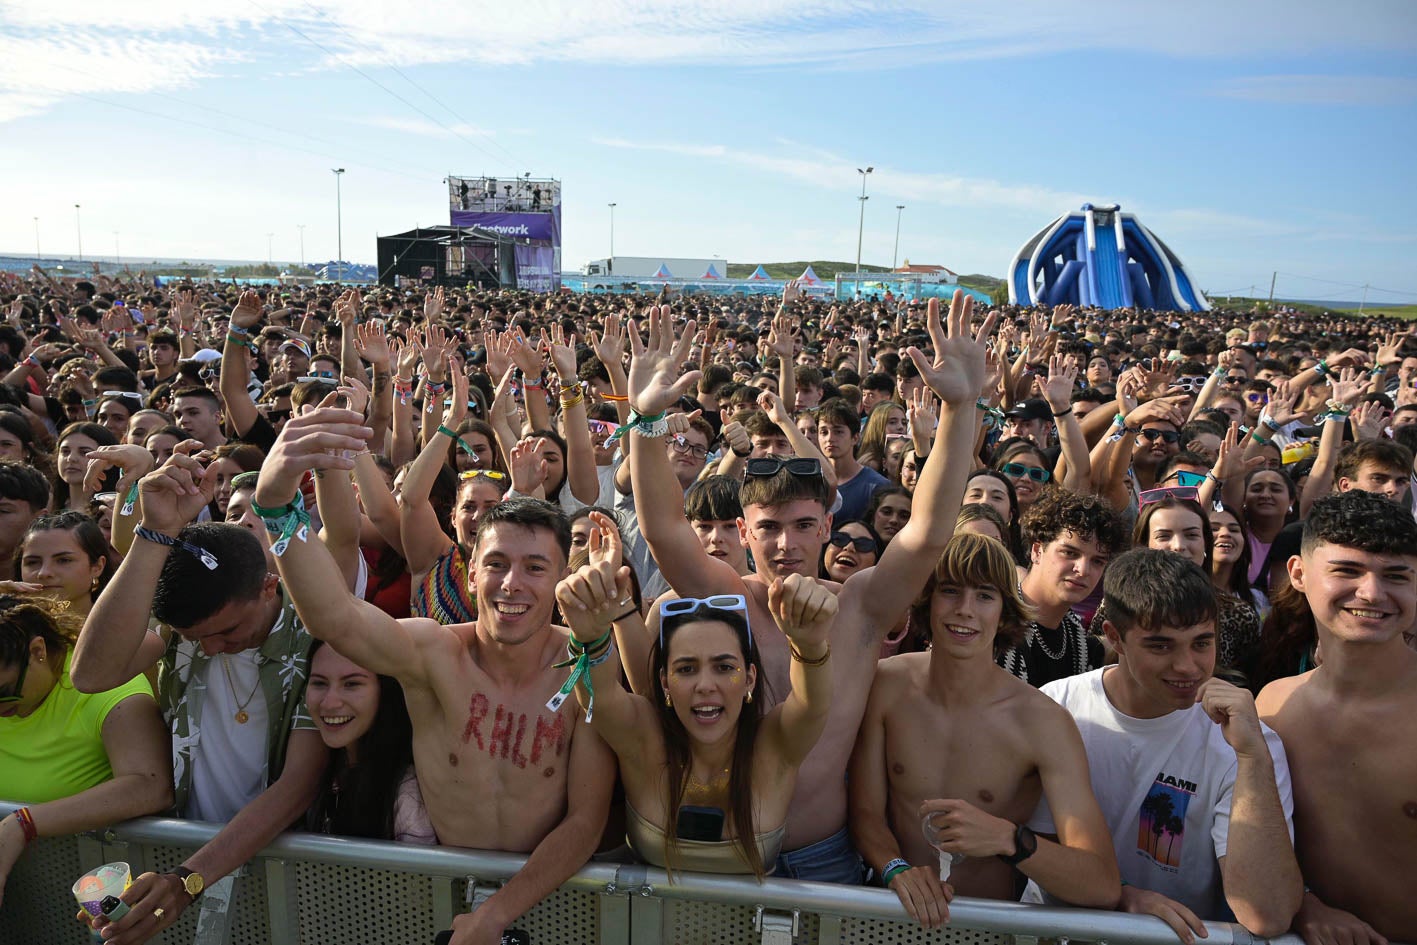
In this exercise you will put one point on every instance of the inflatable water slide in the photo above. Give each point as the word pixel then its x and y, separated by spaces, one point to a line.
pixel 1102 257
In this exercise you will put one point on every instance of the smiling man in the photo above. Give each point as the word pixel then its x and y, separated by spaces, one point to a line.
pixel 1194 788
pixel 231 683
pixel 1351 724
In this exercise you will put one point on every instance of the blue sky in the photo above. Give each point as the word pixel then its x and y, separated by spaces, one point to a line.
pixel 1252 137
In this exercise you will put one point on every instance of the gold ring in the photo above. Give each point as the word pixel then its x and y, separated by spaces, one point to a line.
pixel 158 913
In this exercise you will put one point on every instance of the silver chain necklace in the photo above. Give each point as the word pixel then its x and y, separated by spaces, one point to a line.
pixel 1038 638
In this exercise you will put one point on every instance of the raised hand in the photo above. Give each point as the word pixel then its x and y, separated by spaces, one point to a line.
pixel 1349 386
pixel 454 413
pixel 433 305
pixel 176 492
pixel 561 352
pixel 783 333
pixel 791 292
pixel 654 379
pixel 921 415
pixel 771 404
pixel 595 594
pixel 357 394
pixel 247 312
pixel 134 461
pixel 1062 381
pixel 957 371
pixel 499 361
pixel 324 437
pixel 804 609
pixel 609 344
pixel 1281 407
pixel 735 437
pixel 1230 461
pixel 525 356
pixel 433 349
pixel 1369 419
pixel 372 344
pixel 528 468
pixel 1166 409
pixel 1062 314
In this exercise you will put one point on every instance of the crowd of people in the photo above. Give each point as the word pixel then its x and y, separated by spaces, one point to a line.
pixel 1107 609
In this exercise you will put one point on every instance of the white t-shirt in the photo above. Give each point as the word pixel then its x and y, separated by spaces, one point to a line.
pixel 1165 787
pixel 229 769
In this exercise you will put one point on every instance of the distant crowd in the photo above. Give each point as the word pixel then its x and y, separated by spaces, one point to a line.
pixel 1112 609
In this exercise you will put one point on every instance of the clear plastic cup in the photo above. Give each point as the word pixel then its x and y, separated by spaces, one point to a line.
pixel 932 837
pixel 104 886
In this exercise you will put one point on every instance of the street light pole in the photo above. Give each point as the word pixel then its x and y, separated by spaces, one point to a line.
pixel 117 249
pixel 79 228
pixel 339 225
pixel 269 252
pixel 301 228
pixel 612 233
pixel 861 226
pixel 37 254
pixel 899 208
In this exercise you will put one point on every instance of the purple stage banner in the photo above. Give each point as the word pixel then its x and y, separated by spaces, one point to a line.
pixel 536 268
pixel 525 226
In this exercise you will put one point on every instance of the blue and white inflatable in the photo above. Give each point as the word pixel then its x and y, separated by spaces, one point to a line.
pixel 1101 256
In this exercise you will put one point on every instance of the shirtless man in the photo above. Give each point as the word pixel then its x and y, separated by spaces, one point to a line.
pixel 1350 726
pixel 498 770
pixel 785 525
pixel 995 745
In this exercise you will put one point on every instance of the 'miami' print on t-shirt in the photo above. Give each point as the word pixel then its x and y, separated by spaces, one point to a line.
pixel 1161 829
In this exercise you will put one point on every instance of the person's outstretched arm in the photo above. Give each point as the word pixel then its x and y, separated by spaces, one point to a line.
pixel 420 531
pixel 805 611
pixel 581 474
pixel 1062 378
pixel 240 412
pixel 115 645
pixel 882 594
pixel 655 384
pixel 358 629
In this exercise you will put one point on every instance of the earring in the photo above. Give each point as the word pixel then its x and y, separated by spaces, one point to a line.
pixel 749 698
pixel 93 585
pixel 668 702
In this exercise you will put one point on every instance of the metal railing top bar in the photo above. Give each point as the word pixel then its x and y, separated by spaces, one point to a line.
pixel 1009 918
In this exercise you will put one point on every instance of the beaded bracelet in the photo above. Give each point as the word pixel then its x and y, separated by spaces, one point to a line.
pixel 289 521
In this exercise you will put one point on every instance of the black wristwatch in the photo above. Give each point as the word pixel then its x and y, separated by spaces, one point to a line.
pixel 1025 845
pixel 741 455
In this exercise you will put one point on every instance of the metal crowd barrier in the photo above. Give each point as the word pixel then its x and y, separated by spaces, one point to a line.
pixel 307 889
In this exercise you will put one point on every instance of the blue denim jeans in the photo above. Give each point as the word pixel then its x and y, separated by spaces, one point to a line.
pixel 833 860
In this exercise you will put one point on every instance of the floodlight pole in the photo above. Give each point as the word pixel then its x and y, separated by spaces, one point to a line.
pixel 79 228
pixel 899 208
pixel 612 232
pixel 301 228
pixel 339 226
pixel 861 226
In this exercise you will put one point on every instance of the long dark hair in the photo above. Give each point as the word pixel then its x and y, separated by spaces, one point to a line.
pixel 1013 537
pixel 676 740
pixel 555 497
pixel 357 800
pixel 1287 638
pixel 1240 570
pixel 102 436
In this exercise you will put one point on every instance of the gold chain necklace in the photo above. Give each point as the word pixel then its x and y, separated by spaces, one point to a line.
pixel 241 715
pixel 697 790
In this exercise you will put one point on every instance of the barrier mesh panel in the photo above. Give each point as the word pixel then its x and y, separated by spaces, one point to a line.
pixel 704 923
pixel 876 932
pixel 566 917
pixel 357 906
pixel 38 905
pixel 249 926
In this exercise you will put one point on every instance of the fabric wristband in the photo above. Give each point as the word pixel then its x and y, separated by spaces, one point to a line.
pixel 584 656
pixel 892 869
pixel 289 521
pixel 196 551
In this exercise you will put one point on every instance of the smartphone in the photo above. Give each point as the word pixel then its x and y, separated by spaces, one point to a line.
pixel 700 823
pixel 509 937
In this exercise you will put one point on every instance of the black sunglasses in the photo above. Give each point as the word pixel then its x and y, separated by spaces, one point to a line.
pixel 771 466
pixel 1165 436
pixel 866 545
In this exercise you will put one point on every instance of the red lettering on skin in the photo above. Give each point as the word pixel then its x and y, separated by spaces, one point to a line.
pixel 548 736
pixel 476 711
pixel 501 733
pixel 518 758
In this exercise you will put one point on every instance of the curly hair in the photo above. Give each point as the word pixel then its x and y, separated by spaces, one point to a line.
pixel 1087 516
pixel 1362 520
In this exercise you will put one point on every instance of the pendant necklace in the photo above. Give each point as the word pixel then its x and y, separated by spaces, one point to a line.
pixel 241 715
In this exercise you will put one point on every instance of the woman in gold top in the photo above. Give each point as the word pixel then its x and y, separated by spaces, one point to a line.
pixel 708 771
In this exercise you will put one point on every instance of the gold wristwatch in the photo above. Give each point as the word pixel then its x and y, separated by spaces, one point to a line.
pixel 192 882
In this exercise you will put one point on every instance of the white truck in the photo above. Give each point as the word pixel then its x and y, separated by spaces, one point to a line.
pixel 645 267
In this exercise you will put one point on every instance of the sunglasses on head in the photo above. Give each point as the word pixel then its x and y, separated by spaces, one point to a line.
pixel 1165 436
pixel 770 466
pixel 1184 477
pixel 1019 471
pixel 693 605
pixel 125 394
pixel 1156 495
pixel 866 545
pixel 492 474
pixel 278 416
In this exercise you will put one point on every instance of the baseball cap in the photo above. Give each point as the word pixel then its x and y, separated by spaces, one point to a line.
pixel 204 356
pixel 1034 408
pixel 297 345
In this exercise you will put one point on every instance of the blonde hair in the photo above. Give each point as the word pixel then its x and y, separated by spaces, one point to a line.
pixel 971 560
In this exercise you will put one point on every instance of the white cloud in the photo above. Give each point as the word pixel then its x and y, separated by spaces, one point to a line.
pixel 1320 89
pixel 841 176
